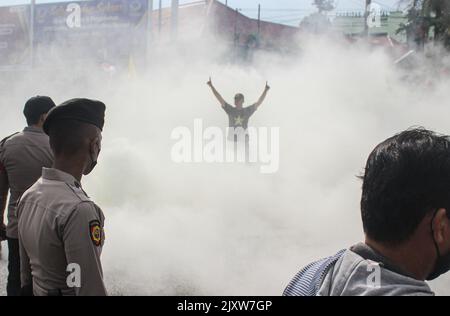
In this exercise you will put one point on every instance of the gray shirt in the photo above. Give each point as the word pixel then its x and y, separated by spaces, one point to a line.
pixel 239 117
pixel 60 226
pixel 22 157
pixel 353 275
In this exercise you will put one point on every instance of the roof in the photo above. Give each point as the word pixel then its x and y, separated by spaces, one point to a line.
pixel 194 19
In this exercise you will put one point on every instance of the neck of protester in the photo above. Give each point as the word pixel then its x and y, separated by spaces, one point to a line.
pixel 409 255
pixel 71 165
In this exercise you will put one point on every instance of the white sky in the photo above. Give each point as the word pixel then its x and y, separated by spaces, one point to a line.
pixel 283 11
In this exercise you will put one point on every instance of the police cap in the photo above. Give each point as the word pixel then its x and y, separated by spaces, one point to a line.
pixel 83 110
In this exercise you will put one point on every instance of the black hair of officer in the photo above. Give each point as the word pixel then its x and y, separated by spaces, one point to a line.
pixel 36 109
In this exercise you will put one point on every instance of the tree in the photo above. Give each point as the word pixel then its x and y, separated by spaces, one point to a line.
pixel 316 23
pixel 439 12
pixel 425 17
pixel 324 5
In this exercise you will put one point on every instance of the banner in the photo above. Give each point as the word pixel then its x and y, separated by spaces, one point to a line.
pixel 100 31
pixel 14 36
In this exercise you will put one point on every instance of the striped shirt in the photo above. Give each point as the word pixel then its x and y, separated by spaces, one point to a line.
pixel 309 280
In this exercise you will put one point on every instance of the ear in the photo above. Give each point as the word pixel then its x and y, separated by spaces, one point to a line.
pixel 94 145
pixel 42 118
pixel 441 228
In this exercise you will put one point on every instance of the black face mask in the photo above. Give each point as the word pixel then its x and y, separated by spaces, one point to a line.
pixel 90 168
pixel 93 163
pixel 443 262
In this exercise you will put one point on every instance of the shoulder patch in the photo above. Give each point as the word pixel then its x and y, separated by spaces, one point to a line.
pixel 95 232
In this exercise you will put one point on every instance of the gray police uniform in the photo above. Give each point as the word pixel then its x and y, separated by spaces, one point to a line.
pixel 60 228
pixel 22 157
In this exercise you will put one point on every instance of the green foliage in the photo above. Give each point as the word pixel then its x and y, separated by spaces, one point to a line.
pixel 316 23
pixel 324 5
pixel 426 17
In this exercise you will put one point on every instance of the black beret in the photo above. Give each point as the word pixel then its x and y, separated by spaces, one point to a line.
pixel 83 110
pixel 37 106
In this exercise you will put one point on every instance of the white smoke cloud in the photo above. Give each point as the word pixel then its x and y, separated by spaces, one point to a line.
pixel 227 229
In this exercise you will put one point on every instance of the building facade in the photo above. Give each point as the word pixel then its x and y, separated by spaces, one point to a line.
pixel 352 24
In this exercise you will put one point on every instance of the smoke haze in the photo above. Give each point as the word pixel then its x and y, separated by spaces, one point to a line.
pixel 227 229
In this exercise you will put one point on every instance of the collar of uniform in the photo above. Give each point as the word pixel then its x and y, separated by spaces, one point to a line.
pixel 33 129
pixel 58 175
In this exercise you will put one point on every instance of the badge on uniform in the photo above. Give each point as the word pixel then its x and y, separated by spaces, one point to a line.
pixel 95 232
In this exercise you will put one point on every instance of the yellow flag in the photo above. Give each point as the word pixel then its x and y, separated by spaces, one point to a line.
pixel 132 74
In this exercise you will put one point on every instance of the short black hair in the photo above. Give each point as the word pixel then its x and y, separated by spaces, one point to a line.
pixel 67 137
pixel 33 119
pixel 239 96
pixel 406 177
pixel 36 107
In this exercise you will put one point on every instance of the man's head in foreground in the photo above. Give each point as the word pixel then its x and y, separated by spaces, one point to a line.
pixel 36 109
pixel 239 100
pixel 405 202
pixel 75 131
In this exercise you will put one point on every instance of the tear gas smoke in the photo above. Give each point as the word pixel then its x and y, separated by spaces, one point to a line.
pixel 227 229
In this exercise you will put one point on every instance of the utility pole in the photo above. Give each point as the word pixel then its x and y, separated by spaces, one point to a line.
pixel 259 19
pixel 366 17
pixel 149 30
pixel 236 27
pixel 175 5
pixel 160 17
pixel 32 7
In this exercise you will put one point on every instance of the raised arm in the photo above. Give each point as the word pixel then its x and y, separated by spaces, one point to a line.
pixel 263 96
pixel 216 93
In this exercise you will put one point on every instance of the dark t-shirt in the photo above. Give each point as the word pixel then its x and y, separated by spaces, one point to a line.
pixel 239 117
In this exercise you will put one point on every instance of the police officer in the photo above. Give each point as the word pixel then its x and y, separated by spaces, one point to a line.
pixel 22 156
pixel 60 228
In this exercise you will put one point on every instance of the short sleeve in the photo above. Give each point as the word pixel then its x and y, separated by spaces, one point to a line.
pixel 83 238
pixel 2 166
pixel 4 186
pixel 25 268
pixel 227 108
pixel 250 110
